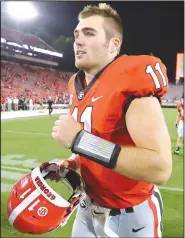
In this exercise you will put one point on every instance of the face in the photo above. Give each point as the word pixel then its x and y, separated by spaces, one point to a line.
pixel 91 47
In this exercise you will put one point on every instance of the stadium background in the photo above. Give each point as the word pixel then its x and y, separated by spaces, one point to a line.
pixel 36 63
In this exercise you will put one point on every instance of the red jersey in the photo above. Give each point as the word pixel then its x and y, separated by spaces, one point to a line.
pixel 180 108
pixel 3 100
pixel 101 107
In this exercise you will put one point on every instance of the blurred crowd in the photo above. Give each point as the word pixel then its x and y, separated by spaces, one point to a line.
pixel 24 85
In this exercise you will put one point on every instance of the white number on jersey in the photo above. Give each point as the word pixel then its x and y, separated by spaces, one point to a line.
pixel 86 117
pixel 150 70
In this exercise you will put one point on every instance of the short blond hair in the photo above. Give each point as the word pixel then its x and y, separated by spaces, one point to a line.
pixel 114 25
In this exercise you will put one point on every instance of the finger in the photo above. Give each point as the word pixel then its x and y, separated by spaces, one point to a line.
pixel 62 167
pixel 52 178
pixel 58 172
pixel 55 129
pixel 54 135
pixel 57 180
pixel 58 177
pixel 65 163
pixel 62 117
pixel 57 122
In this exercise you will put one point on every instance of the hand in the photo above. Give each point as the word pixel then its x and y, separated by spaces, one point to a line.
pixel 56 170
pixel 65 130
pixel 176 125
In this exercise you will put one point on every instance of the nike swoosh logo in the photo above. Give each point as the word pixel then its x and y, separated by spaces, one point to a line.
pixel 136 230
pixel 95 99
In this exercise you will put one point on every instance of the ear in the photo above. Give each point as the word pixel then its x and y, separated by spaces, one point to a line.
pixel 114 44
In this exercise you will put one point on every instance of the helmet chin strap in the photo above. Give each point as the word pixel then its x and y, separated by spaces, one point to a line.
pixel 75 180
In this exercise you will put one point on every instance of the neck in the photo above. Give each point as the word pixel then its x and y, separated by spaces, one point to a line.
pixel 90 73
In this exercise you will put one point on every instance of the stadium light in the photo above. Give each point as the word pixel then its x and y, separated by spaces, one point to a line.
pixel 21 10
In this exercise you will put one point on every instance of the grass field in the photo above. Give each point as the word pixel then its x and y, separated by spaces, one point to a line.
pixel 26 143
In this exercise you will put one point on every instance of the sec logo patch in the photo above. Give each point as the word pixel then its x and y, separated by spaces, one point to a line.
pixel 42 211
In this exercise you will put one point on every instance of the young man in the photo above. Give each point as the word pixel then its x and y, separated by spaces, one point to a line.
pixel 116 131
pixel 179 125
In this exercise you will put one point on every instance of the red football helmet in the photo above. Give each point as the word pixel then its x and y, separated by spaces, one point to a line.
pixel 34 207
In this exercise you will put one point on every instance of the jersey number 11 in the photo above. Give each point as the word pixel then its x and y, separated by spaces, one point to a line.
pixel 149 70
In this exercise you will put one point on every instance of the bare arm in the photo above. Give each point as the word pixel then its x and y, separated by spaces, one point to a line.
pixel 151 159
pixel 74 158
pixel 72 162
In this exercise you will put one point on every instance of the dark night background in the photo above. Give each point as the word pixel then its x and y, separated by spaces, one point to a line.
pixel 156 27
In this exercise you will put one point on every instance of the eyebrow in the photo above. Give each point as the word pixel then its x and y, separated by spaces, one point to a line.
pixel 85 29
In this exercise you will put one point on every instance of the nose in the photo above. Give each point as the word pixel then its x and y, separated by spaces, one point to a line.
pixel 79 41
pixel 78 45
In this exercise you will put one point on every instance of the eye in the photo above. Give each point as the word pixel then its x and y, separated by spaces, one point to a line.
pixel 88 33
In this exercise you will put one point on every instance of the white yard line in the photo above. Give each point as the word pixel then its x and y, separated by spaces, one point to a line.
pixel 30 114
pixel 13 168
pixel 171 189
pixel 27 132
pixel 48 134
pixel 28 170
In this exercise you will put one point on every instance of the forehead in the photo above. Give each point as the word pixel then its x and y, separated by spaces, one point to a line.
pixel 95 22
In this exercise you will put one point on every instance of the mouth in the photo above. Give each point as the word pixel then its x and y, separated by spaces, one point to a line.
pixel 80 53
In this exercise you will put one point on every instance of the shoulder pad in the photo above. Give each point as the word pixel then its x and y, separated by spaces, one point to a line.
pixel 143 75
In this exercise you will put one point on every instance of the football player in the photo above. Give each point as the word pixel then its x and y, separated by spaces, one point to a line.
pixel 179 125
pixel 116 131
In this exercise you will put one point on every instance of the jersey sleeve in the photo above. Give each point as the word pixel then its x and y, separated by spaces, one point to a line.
pixel 147 78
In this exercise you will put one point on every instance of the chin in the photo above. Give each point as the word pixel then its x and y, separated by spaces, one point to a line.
pixel 81 65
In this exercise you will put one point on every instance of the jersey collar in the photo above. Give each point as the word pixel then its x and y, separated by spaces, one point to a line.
pixel 81 91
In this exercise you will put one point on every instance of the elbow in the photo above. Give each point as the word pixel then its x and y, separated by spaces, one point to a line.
pixel 164 174
pixel 163 178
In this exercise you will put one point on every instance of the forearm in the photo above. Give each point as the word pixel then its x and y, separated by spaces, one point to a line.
pixel 75 158
pixel 149 165
pixel 72 162
pixel 142 164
